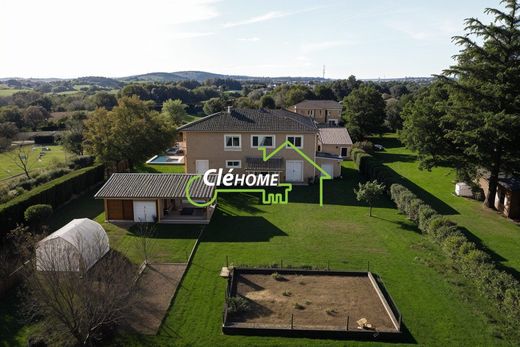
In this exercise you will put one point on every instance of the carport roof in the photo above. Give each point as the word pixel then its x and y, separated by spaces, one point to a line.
pixel 153 185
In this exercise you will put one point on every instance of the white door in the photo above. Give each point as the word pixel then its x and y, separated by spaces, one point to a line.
pixel 145 211
pixel 294 171
pixel 329 168
pixel 201 166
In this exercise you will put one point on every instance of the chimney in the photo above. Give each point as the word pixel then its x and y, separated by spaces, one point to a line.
pixel 229 109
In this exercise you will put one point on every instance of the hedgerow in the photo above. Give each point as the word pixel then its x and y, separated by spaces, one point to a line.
pixel 477 266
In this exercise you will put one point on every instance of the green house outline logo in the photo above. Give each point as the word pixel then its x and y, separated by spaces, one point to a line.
pixel 267 198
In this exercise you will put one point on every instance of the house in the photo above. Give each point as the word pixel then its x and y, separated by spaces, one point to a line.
pixel 326 112
pixel 231 139
pixel 160 197
pixel 335 141
pixel 507 199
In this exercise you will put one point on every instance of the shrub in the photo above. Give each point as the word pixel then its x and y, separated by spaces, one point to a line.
pixel 366 146
pixel 412 209
pixel 425 214
pixel 277 276
pixel 82 161
pixel 37 214
pixel 238 304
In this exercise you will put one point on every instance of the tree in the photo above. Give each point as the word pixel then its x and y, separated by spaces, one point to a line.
pixel 481 122
pixel 82 306
pixel 297 94
pixel 267 101
pixel 393 114
pixel 364 112
pixel 175 110
pixel 324 92
pixel 132 131
pixel 11 114
pixel 104 99
pixel 73 138
pixel 214 105
pixel 244 102
pixel 33 116
pixel 8 130
pixel 369 192
pixel 23 158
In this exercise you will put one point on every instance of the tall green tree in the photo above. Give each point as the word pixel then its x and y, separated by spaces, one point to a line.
pixel 480 125
pixel 34 116
pixel 132 131
pixel 175 110
pixel 267 101
pixel 369 192
pixel 364 112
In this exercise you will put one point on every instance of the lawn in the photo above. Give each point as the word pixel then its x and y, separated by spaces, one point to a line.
pixel 500 235
pixel 438 307
pixel 162 168
pixel 11 91
pixel 9 169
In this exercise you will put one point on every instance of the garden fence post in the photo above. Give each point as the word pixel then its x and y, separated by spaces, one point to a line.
pixel 292 321
pixel 227 262
pixel 368 266
pixel 348 319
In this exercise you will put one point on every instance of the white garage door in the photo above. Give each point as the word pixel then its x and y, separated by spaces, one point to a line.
pixel 329 168
pixel 144 211
pixel 201 166
pixel 294 171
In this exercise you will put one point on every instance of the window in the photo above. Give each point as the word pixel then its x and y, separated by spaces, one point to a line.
pixel 296 140
pixel 310 113
pixel 233 164
pixel 232 142
pixel 333 122
pixel 262 141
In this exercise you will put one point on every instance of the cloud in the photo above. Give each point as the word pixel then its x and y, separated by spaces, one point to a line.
pixel 269 16
pixel 192 35
pixel 248 39
pixel 320 46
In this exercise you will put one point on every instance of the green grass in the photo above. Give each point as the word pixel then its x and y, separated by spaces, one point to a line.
pixel 438 308
pixel 11 91
pixel 162 168
pixel 484 226
pixel 9 169
pixel 171 243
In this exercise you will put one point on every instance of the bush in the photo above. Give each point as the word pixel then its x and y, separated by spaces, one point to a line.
pixel 82 161
pixel 37 214
pixel 54 193
pixel 366 146
pixel 424 216
pixel 238 304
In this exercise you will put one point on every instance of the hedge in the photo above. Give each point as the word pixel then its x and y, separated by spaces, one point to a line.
pixel 54 193
pixel 477 266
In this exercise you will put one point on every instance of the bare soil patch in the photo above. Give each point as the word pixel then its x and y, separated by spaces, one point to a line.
pixel 316 301
pixel 156 288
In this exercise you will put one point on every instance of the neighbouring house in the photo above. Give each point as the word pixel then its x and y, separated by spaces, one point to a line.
pixel 335 141
pixel 74 247
pixel 155 197
pixel 507 199
pixel 231 139
pixel 321 111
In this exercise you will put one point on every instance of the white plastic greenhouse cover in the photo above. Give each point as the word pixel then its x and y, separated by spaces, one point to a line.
pixel 77 245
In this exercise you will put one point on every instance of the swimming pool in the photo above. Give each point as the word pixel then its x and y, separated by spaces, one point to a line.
pixel 166 159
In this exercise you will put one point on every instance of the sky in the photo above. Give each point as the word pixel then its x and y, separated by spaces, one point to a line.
pixel 116 38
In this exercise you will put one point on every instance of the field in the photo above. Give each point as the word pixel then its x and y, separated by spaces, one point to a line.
pixel 485 227
pixel 9 169
pixel 438 307
pixel 10 91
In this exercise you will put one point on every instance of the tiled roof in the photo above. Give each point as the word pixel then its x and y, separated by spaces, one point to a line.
pixel 335 136
pixel 152 185
pixel 245 119
pixel 316 104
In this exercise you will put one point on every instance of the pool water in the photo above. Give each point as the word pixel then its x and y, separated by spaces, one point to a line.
pixel 166 159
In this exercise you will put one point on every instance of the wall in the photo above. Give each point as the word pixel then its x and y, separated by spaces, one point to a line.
pixel 319 114
pixel 210 146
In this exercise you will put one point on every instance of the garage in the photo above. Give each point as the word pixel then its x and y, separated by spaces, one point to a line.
pixel 329 168
pixel 145 211
pixel 120 209
pixel 294 171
